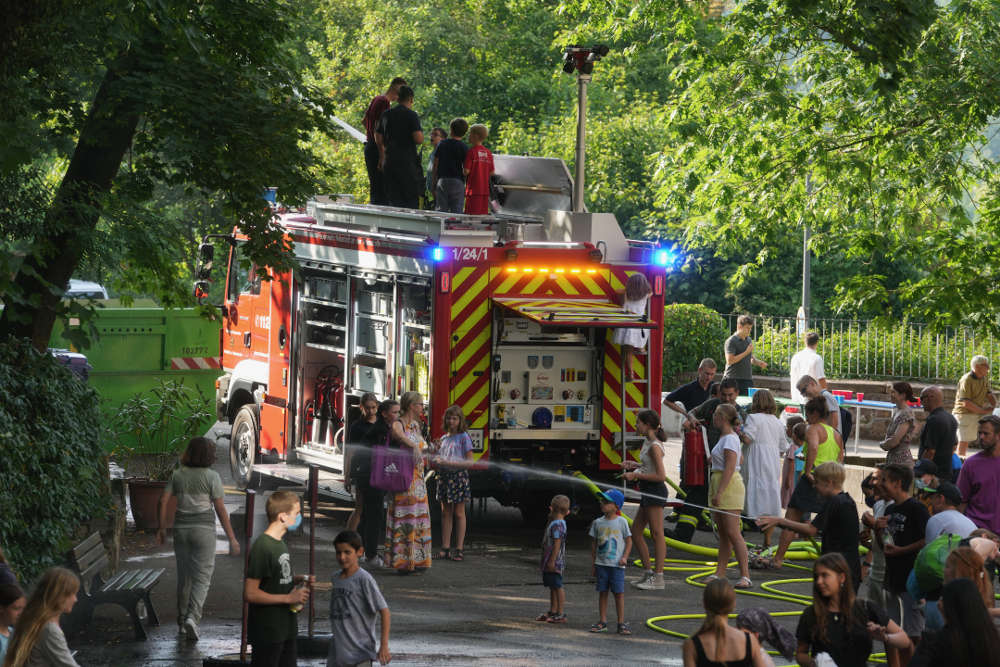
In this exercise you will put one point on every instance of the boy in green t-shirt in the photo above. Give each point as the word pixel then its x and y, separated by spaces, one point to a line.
pixel 272 626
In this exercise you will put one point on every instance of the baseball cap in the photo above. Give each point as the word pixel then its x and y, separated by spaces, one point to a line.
pixel 947 490
pixel 614 496
pixel 924 467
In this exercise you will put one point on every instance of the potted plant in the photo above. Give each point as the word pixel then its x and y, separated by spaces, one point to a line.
pixel 149 433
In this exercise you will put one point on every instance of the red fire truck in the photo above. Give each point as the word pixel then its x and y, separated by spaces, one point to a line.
pixel 508 316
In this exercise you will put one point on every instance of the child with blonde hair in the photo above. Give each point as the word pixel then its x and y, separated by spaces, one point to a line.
pixel 38 639
pixel 637 291
pixel 453 460
pixel 554 560
pixel 837 522
pixel 478 168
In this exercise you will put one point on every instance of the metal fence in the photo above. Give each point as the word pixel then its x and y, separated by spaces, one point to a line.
pixel 868 350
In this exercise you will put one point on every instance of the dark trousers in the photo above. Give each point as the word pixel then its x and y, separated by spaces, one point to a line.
pixel 402 186
pixel 278 654
pixel 689 517
pixel 376 181
pixel 372 517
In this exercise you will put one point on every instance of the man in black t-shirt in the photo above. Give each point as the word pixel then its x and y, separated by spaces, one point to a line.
pixel 398 134
pixel 837 522
pixel 939 435
pixel 904 526
pixel 449 177
pixel 694 393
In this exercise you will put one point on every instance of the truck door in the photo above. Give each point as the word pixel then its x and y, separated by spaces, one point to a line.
pixel 274 421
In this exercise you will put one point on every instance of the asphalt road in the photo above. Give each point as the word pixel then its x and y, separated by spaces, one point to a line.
pixel 477 612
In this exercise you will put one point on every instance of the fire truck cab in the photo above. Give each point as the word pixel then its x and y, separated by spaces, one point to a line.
pixel 509 316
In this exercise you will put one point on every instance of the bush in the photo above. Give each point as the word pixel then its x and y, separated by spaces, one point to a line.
pixel 54 471
pixel 691 332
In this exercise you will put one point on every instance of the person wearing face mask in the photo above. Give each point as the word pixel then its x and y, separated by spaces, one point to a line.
pixel 274 595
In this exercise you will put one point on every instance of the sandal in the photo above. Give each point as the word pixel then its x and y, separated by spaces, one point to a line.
pixel 443 555
pixel 600 626
pixel 557 618
pixel 711 577
pixel 457 555
pixel 545 616
pixel 624 629
pixel 744 582
pixel 763 563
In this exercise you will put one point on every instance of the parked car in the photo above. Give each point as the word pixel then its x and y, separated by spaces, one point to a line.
pixel 84 289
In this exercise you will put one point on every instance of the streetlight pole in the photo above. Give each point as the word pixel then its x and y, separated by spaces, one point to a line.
pixel 806 255
pixel 581 141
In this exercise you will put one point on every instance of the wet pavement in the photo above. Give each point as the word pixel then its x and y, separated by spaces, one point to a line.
pixel 477 612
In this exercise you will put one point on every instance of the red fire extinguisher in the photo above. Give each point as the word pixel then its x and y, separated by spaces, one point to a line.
pixel 695 458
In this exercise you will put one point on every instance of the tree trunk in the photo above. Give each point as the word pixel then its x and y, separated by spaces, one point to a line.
pixel 107 133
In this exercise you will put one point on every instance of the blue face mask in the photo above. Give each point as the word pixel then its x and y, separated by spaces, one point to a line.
pixel 298 522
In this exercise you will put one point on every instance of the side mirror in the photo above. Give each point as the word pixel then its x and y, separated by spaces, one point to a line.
pixel 206 256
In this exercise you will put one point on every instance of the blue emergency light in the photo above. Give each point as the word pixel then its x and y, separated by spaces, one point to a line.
pixel 664 257
pixel 437 253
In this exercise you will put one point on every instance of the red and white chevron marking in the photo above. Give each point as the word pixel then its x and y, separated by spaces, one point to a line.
pixel 194 363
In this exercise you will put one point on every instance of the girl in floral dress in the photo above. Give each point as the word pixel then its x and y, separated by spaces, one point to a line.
pixel 452 463
pixel 408 520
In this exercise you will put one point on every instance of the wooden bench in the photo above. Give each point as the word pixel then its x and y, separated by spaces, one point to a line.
pixel 127 588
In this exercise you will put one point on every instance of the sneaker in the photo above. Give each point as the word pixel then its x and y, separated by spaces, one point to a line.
pixel 191 629
pixel 375 563
pixel 646 576
pixel 654 583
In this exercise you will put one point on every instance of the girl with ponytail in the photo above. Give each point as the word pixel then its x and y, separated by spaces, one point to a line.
pixel 651 473
pixel 726 645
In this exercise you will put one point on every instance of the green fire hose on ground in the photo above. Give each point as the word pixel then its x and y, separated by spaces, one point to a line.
pixel 799 550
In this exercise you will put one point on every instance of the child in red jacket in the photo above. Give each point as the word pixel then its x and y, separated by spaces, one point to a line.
pixel 478 169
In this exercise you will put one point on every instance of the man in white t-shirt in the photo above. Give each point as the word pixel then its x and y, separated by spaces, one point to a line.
pixel 806 362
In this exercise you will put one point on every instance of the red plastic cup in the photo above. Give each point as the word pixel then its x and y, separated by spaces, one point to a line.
pixel 860 396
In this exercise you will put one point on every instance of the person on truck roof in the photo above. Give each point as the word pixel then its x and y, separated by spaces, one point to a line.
pixel 398 134
pixel 378 106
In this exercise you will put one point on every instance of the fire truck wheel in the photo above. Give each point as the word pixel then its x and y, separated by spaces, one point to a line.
pixel 243 448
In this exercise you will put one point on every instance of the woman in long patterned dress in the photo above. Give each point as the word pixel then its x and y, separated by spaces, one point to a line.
pixel 408 520
pixel 901 426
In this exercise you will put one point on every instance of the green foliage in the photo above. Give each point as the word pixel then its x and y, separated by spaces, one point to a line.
pixel 150 430
pixel 691 332
pixel 869 123
pixel 873 350
pixel 54 471
pixel 221 111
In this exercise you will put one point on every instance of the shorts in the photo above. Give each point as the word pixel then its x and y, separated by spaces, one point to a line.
pixel 552 580
pixel 968 427
pixel 654 494
pixel 906 612
pixel 805 498
pixel 733 497
pixel 610 578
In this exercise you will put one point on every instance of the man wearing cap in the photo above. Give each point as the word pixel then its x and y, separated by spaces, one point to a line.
pixel 979 480
pixel 945 498
pixel 937 439
pixel 973 399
